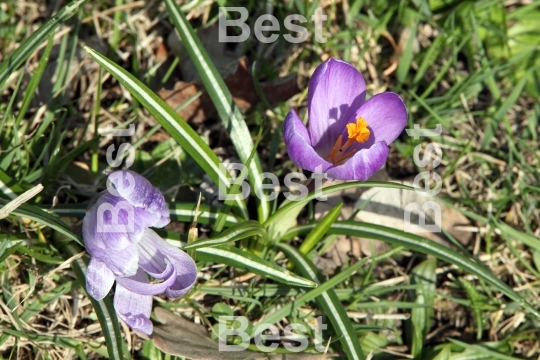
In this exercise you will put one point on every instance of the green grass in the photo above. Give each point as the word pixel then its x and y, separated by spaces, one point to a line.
pixel 470 66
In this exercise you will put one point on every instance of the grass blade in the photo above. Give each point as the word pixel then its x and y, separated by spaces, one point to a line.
pixel 34 81
pixel 222 99
pixel 186 137
pixel 329 303
pixel 104 308
pixel 238 232
pixel 421 245
pixel 36 39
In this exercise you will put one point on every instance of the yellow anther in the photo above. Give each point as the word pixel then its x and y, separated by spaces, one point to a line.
pixel 356 132
pixel 359 131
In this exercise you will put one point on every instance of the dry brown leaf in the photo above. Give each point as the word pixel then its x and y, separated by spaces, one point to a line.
pixel 178 336
pixel 242 89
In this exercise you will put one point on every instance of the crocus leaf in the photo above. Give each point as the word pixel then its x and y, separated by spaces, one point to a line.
pixel 491 350
pixel 221 97
pixel 291 209
pixel 237 232
pixel 42 217
pixel 329 303
pixel 421 245
pixel 420 321
pixel 237 258
pixel 60 341
pixel 183 212
pixel 9 187
pixel 220 222
pixel 286 309
pixel 186 137
pixel 320 229
pixel 5 251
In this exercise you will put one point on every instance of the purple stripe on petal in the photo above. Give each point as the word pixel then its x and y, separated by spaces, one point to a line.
pixel 335 92
pixel 111 222
pixel 140 192
pixel 107 222
pixel 134 308
pixel 299 145
pixel 362 165
pixel 99 279
pixel 386 115
pixel 122 262
pixel 143 288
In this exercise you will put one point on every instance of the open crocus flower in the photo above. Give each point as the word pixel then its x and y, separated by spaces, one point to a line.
pixel 123 248
pixel 348 136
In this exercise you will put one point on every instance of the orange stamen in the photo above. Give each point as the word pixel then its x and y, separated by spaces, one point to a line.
pixel 356 132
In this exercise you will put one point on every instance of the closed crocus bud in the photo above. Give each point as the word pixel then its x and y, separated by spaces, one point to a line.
pixel 123 248
pixel 348 136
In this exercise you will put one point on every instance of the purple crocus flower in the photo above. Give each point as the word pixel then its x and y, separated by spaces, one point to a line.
pixel 123 248
pixel 348 136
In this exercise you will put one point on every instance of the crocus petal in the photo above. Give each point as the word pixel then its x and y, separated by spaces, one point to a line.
pixel 299 146
pixel 123 262
pixel 362 165
pixel 99 279
pixel 150 257
pixel 152 249
pixel 111 222
pixel 134 308
pixel 98 227
pixel 139 191
pixel 336 90
pixel 144 288
pixel 386 115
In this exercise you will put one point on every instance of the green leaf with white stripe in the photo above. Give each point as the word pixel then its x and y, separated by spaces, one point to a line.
pixel 329 303
pixel 221 97
pixel 9 187
pixel 183 212
pixel 240 259
pixel 281 221
pixel 43 217
pixel 421 245
pixel 288 308
pixel 237 232
pixel 5 251
pixel 186 137
pixel 320 229
pixel 419 324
